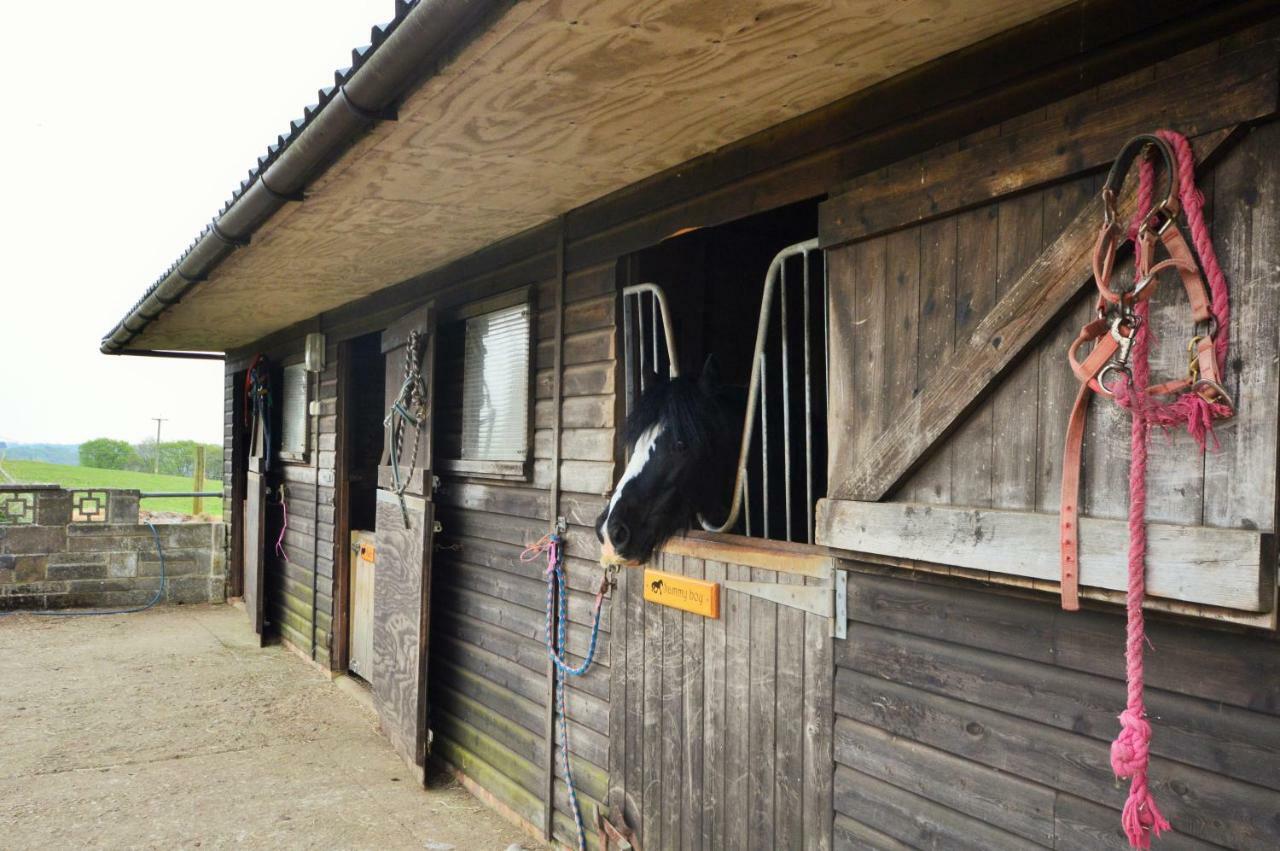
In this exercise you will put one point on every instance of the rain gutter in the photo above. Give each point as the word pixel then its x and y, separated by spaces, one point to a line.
pixel 400 53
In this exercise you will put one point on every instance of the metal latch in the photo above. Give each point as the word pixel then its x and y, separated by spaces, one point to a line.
pixel 828 601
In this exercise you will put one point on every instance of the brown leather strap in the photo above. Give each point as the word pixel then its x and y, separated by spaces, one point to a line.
pixel 1192 281
pixel 1069 519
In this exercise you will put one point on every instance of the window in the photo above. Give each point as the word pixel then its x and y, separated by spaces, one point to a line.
pixel 293 413
pixel 495 386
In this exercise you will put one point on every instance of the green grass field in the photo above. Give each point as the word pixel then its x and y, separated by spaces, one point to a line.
pixel 38 472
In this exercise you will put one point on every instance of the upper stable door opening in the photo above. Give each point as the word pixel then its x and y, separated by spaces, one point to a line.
pixel 725 287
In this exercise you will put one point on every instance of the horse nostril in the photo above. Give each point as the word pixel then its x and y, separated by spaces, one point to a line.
pixel 620 534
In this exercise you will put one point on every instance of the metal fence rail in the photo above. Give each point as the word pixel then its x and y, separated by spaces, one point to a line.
pixel 776 284
pixel 794 273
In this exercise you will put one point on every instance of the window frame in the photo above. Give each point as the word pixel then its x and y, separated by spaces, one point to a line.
pixel 289 456
pixel 512 471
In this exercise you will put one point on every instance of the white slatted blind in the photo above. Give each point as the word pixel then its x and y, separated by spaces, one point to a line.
pixel 495 386
pixel 293 412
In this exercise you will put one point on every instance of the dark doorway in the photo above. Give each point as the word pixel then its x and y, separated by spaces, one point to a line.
pixel 714 281
pixel 361 395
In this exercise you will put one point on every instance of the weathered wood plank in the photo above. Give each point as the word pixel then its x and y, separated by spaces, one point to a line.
pixel 819 710
pixel 932 482
pixel 672 797
pixel 513 764
pixel 737 752
pixel 853 835
pixel 1000 800
pixel 652 723
pixel 1057 384
pixel 1213 736
pixel 1202 804
pixel 1080 825
pixel 484 718
pixel 714 721
pixel 761 763
pixel 1210 96
pixel 1004 333
pixel 1020 223
pixel 637 647
pixel 691 694
pixel 977 238
pixel 530 654
pixel 400 623
pixel 1220 567
pixel 1219 667
pixel 912 820
pixel 1241 477
pixel 789 709
pixel 617 792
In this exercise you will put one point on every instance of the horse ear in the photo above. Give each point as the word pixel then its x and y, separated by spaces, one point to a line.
pixel 709 381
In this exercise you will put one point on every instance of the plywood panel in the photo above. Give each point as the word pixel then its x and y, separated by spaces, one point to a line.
pixel 555 106
pixel 728 740
pixel 400 623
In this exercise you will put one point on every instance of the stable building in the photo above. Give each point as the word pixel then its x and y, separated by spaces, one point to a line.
pixel 440 294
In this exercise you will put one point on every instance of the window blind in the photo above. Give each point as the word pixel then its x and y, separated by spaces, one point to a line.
pixel 495 386
pixel 293 411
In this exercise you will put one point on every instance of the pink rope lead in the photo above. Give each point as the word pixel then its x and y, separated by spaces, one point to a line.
pixel 284 524
pixel 1131 751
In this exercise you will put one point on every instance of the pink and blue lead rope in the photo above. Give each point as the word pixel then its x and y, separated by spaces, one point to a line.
pixel 558 608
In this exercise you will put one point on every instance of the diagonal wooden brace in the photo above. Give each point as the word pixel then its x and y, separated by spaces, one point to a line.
pixel 1020 318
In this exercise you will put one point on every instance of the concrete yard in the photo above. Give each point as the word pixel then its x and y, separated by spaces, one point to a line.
pixel 170 729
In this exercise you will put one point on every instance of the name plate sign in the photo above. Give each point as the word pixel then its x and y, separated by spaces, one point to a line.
pixel 681 592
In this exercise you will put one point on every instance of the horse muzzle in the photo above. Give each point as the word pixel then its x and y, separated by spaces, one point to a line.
pixel 609 556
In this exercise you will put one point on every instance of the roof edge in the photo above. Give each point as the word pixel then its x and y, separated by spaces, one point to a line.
pixel 418 38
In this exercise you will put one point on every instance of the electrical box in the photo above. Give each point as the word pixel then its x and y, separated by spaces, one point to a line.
pixel 315 352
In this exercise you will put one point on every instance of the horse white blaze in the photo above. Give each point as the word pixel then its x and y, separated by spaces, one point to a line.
pixel 641 454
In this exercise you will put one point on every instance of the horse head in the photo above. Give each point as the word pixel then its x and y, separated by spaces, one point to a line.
pixel 683 446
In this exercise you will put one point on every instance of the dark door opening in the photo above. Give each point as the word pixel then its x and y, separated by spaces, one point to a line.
pixel 362 395
pixel 714 280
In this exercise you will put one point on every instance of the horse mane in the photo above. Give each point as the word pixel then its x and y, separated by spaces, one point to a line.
pixel 686 412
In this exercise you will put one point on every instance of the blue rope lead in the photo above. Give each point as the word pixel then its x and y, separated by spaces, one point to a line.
pixel 71 613
pixel 558 608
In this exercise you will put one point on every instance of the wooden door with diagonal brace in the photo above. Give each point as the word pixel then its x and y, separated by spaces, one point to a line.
pixel 404 530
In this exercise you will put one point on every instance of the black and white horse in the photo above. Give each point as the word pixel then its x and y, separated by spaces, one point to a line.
pixel 684 437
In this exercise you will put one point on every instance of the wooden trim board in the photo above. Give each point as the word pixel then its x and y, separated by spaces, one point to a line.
pixel 801 559
pixel 1210 96
pixel 1231 568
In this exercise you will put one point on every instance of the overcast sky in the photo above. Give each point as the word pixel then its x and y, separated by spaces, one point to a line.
pixel 126 127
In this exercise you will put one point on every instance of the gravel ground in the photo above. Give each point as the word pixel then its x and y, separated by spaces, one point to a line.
pixel 171 729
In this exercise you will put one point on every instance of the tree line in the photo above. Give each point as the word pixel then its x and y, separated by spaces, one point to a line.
pixel 177 457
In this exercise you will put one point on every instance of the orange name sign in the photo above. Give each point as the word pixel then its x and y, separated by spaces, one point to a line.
pixel 681 592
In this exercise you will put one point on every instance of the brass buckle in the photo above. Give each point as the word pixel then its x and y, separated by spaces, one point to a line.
pixel 1216 393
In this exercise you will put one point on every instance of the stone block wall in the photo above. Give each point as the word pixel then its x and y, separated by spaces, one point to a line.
pixel 86 549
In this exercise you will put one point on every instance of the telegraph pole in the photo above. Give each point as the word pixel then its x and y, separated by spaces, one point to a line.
pixel 158 420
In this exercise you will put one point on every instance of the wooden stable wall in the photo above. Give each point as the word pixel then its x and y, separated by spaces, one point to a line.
pixel 299 592
pixel 969 719
pixel 489 691
pixel 910 308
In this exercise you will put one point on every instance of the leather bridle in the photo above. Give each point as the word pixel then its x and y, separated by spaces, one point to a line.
pixel 1119 316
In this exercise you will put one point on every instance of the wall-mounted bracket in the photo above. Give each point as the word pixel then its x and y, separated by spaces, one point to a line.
pixel 826 601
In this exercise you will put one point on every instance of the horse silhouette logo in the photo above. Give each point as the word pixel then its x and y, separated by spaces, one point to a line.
pixel 656 586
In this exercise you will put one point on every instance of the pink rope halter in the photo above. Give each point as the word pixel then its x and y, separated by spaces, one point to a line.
pixel 1131 751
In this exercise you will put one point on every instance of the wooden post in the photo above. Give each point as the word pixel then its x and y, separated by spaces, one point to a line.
pixel 197 502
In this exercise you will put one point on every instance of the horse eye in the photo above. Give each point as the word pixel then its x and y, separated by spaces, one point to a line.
pixel 680 446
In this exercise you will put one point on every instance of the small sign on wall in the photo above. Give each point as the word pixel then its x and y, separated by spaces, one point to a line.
pixel 681 592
